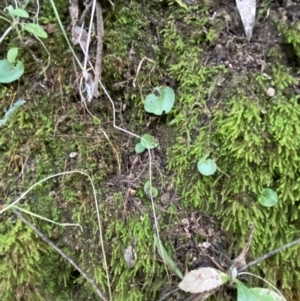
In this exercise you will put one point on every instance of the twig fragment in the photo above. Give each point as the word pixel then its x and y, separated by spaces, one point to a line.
pixel 240 261
pixel 271 253
pixel 99 52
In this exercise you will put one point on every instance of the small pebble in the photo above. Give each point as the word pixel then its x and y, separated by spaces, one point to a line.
pixel 271 92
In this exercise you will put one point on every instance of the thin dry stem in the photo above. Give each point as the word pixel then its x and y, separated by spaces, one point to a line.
pixel 240 261
pixel 139 68
pixel 271 253
pixel 99 53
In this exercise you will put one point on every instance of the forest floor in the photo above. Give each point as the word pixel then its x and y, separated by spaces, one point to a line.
pixel 202 54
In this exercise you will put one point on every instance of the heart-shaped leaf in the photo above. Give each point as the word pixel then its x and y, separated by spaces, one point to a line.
pixel 160 102
pixel 207 167
pixel 35 29
pixel 10 71
pixel 268 197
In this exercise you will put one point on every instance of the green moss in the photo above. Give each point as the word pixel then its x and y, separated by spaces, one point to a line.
pixel 291 34
pixel 252 137
pixel 254 140
pixel 133 283
pixel 26 273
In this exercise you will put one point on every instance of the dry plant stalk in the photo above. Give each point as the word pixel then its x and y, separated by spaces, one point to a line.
pixel 99 53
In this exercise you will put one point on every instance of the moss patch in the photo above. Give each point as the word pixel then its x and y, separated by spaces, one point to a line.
pixel 222 109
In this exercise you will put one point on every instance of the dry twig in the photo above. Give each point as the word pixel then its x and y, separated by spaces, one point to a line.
pixel 267 255
pixel 99 52
pixel 240 261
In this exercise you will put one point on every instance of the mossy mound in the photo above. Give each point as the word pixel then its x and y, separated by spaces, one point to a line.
pixel 254 139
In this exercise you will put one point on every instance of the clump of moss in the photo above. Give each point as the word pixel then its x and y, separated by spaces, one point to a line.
pixel 25 270
pixel 37 142
pixel 291 34
pixel 254 139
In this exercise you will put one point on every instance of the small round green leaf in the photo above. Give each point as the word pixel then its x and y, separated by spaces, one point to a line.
pixel 12 54
pixel 147 190
pixel 148 142
pixel 35 29
pixel 207 167
pixel 268 197
pixel 161 101
pixel 139 148
pixel 19 12
pixel 9 71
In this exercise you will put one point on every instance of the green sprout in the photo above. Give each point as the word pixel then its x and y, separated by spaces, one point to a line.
pixel 15 14
pixel 10 69
pixel 147 142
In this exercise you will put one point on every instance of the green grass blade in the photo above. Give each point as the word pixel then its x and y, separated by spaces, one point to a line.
pixel 165 256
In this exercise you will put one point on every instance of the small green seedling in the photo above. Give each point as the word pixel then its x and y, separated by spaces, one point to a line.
pixel 268 197
pixel 10 68
pixel 15 14
pixel 206 167
pixel 161 100
pixel 150 190
pixel 147 142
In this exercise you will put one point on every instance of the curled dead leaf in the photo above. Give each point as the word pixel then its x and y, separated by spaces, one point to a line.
pixel 202 280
